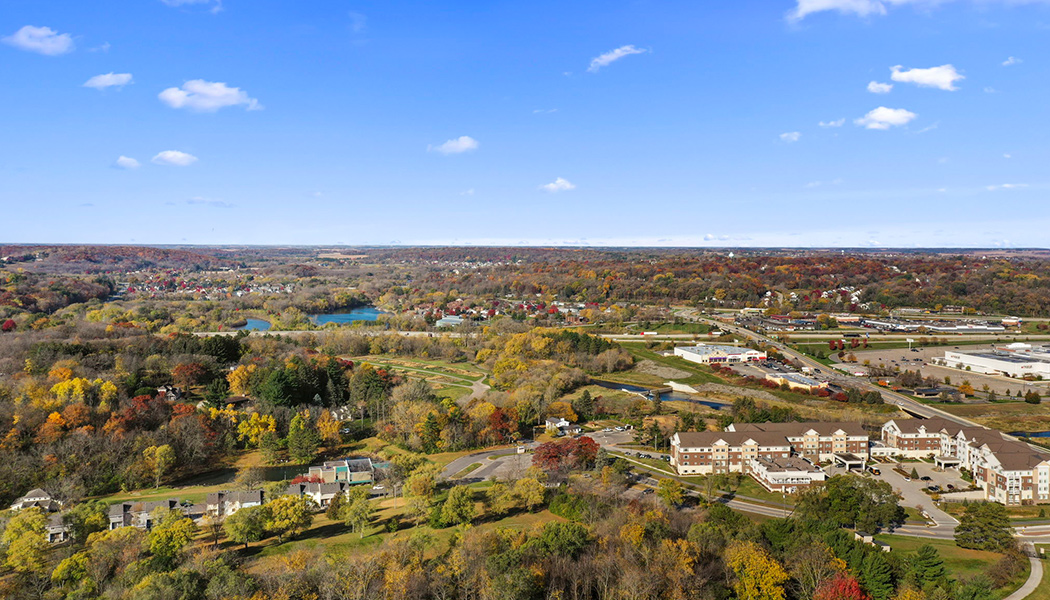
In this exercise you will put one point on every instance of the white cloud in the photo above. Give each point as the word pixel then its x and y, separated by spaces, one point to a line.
pixel 835 123
pixel 1007 156
pixel 942 77
pixel 174 158
pixel 126 163
pixel 541 111
pixel 42 40
pixel 209 202
pixel 884 118
pixel 558 185
pixel 865 8
pixel 463 143
pixel 469 192
pixel 790 137
pixel 101 82
pixel 612 56
pixel 862 8
pixel 879 88
pixel 1013 60
pixel 990 90
pixel 104 47
pixel 1006 186
pixel 207 96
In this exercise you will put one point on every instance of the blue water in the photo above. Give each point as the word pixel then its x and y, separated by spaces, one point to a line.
pixel 255 325
pixel 1031 434
pixel 666 396
pixel 368 313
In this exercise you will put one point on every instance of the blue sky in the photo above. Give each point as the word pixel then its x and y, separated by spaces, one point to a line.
pixel 684 123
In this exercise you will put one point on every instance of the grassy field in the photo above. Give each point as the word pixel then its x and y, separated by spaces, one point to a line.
pixel 960 562
pixel 1005 416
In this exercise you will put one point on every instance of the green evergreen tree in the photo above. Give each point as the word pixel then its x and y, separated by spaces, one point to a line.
pixel 877 576
pixel 984 526
pixel 584 406
pixel 303 441
pixel 928 565
pixel 431 433
pixel 336 507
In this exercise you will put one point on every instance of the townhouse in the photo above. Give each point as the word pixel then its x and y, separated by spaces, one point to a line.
pixel 224 504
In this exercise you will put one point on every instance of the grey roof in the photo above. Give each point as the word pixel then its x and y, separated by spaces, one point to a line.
pixel 241 497
pixel 792 463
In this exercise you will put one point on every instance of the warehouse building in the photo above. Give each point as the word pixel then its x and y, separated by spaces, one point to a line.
pixel 996 362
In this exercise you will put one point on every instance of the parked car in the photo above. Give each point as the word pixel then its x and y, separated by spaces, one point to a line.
pixel 951 487
pixel 926 478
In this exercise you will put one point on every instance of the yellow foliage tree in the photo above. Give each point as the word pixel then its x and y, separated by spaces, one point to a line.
pixel 328 427
pixel 239 379
pixel 563 410
pixel 758 575
pixel 254 428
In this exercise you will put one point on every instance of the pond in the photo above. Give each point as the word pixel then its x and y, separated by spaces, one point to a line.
pixel 254 325
pixel 367 313
pixel 666 396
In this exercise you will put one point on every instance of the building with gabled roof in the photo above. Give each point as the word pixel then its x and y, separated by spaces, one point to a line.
pixel 350 470
pixel 37 498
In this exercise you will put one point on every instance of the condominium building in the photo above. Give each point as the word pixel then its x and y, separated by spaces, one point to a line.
pixel 1008 471
pixel 705 452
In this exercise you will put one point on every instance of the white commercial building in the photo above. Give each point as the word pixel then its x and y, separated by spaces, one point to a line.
pixel 1013 364
pixel 712 354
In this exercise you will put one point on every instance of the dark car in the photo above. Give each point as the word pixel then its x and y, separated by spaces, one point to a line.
pixel 925 478
pixel 951 487
pixel 647 491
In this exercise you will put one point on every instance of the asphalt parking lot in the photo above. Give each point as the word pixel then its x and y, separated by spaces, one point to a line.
pixel 908 360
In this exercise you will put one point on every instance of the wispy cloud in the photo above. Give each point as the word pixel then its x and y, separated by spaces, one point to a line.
pixel 790 137
pixel 1013 60
pixel 942 77
pixel 835 123
pixel 42 40
pixel 207 96
pixel 879 88
pixel 200 200
pixel 612 56
pixel 815 184
pixel 358 22
pixel 174 158
pixel 101 82
pixel 884 118
pixel 544 111
pixel 463 143
pixel 216 5
pixel 558 185
pixel 1006 186
pixel 126 163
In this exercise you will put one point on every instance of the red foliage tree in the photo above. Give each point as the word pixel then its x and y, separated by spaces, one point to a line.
pixel 564 455
pixel 188 374
pixel 307 479
pixel 9 325
pixel 842 587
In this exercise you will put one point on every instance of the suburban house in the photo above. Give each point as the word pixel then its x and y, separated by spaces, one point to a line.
pixel 563 426
pixel 350 470
pixel 57 529
pixel 37 498
pixel 170 392
pixel 734 450
pixel 786 475
pixel 320 493
pixel 1008 471
pixel 224 504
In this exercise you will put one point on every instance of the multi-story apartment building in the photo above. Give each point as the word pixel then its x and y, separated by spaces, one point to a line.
pixel 705 452
pixel 815 440
pixel 1008 471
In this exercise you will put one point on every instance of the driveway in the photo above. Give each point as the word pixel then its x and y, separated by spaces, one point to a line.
pixel 912 494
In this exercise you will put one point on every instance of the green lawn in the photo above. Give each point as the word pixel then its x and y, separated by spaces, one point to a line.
pixel 960 562
pixel 467 471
